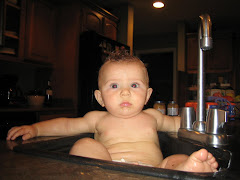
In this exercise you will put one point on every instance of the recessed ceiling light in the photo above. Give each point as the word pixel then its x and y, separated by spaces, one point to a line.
pixel 158 4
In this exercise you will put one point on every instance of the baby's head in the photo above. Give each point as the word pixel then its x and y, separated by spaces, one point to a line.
pixel 123 85
pixel 123 57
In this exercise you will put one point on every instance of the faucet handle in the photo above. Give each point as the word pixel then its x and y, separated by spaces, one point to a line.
pixel 215 121
pixel 187 117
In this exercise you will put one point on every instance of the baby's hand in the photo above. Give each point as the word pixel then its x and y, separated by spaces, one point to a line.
pixel 27 132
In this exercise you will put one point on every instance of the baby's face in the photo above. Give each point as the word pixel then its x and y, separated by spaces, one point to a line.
pixel 123 88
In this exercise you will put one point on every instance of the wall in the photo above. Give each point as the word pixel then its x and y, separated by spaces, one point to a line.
pixel 160 43
pixel 167 40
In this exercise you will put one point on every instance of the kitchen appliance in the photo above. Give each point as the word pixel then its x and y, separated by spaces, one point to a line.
pixel 94 48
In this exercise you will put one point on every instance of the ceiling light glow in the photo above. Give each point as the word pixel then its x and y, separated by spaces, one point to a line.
pixel 158 4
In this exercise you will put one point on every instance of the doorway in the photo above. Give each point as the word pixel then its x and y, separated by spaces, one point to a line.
pixel 161 65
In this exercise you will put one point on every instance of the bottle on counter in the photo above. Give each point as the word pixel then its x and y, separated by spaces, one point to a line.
pixel 172 109
pixel 48 94
pixel 160 106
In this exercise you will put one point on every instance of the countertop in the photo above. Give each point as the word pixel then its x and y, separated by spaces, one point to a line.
pixel 17 165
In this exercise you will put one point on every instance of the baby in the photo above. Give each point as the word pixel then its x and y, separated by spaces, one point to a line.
pixel 125 132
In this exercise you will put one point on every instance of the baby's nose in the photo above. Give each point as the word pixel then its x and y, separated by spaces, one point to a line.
pixel 125 92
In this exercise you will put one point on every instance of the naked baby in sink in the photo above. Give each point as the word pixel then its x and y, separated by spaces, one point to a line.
pixel 124 132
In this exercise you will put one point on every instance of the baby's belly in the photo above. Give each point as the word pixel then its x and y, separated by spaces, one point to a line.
pixel 147 153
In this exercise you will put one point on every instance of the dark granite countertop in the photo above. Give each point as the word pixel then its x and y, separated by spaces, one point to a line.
pixel 15 165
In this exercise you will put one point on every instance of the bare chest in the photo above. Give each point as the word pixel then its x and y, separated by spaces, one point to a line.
pixel 126 130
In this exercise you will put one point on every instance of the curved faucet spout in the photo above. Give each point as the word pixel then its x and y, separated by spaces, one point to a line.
pixel 204 43
pixel 206 133
pixel 205 32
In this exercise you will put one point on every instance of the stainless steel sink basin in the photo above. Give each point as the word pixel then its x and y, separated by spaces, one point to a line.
pixel 59 148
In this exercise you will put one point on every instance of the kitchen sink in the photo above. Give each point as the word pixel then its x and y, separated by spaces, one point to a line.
pixel 170 144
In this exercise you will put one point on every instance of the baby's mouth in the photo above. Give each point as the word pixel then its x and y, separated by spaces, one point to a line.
pixel 125 104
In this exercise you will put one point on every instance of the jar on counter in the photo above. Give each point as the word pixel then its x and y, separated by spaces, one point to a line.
pixel 172 109
pixel 160 106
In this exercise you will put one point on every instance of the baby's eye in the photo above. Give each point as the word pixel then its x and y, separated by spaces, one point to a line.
pixel 135 85
pixel 114 86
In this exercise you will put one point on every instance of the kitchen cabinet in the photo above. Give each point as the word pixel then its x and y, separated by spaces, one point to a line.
pixel 192 53
pixel 27 31
pixel 40 31
pixel 12 27
pixel 218 62
pixel 73 19
pixel 98 20
pixel 218 59
pixel 92 20
pixel 110 29
pixel 48 41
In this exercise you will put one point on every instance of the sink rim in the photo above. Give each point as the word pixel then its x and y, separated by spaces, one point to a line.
pixel 43 149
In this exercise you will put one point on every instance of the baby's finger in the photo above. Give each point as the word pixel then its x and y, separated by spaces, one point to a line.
pixel 26 136
pixel 11 132
pixel 20 132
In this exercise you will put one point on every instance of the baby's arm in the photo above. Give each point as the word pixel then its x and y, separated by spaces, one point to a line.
pixel 55 127
pixel 164 122
pixel 169 123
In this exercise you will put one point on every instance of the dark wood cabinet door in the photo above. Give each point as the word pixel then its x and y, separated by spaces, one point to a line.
pixel 192 53
pixel 110 29
pixel 12 29
pixel 92 21
pixel 218 59
pixel 102 24
pixel 40 31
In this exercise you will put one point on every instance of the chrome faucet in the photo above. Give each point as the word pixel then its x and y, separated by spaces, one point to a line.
pixel 204 43
pixel 210 133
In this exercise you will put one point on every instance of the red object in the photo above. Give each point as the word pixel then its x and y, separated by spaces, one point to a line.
pixel 191 104
pixel 194 105
pixel 229 98
pixel 217 94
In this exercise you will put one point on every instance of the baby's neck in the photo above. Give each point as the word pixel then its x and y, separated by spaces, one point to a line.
pixel 125 116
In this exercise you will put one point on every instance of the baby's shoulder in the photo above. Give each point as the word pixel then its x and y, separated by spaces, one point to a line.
pixel 95 114
pixel 154 113
pixel 151 111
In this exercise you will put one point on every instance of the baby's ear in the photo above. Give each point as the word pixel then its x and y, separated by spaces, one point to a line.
pixel 149 93
pixel 98 96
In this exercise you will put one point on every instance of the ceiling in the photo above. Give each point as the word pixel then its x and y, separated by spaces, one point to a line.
pixel 225 15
